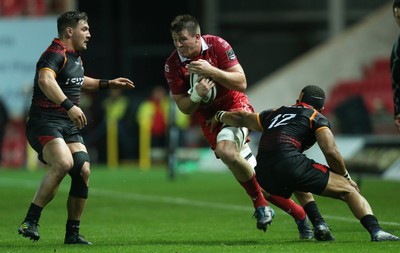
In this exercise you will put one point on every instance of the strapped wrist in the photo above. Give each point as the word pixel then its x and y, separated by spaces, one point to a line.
pixel 218 115
pixel 194 96
pixel 67 104
pixel 104 84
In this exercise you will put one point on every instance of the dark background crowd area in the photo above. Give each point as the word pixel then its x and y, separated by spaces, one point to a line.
pixel 132 39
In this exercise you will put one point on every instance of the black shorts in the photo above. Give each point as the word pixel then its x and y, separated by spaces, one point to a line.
pixel 40 130
pixel 295 173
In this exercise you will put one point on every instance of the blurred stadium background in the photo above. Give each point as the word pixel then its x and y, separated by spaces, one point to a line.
pixel 341 45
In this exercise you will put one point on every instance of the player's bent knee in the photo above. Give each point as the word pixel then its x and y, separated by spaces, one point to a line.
pixel 79 158
pixel 63 166
pixel 224 153
pixel 85 172
pixel 79 187
pixel 227 156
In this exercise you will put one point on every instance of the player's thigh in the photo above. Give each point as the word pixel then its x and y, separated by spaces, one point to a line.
pixel 76 147
pixel 40 130
pixel 337 186
pixel 56 151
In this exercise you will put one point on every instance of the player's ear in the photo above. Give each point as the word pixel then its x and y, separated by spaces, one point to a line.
pixel 69 31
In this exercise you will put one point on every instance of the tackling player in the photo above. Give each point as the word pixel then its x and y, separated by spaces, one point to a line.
pixel 282 168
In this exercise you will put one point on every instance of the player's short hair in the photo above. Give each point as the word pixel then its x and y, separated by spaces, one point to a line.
pixel 185 22
pixel 70 19
pixel 313 95
pixel 396 4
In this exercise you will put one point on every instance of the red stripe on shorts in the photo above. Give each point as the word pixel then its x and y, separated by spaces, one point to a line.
pixel 320 167
pixel 45 139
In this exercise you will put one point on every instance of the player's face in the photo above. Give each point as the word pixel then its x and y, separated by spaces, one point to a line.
pixel 187 45
pixel 81 36
pixel 397 15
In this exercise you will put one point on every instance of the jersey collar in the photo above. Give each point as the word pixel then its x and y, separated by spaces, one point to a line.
pixel 59 42
pixel 204 47
pixel 304 104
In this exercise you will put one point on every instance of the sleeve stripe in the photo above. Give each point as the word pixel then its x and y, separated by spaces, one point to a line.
pixel 312 117
pixel 49 69
pixel 259 121
pixel 320 128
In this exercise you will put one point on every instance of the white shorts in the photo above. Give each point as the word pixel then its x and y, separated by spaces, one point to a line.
pixel 238 135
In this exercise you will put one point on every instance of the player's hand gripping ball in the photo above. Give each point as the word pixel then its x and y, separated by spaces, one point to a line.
pixel 212 93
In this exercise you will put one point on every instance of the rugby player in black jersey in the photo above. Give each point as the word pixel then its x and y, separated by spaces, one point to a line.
pixel 282 168
pixel 395 67
pixel 54 123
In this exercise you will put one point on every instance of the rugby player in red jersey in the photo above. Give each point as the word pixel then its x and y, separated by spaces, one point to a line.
pixel 213 60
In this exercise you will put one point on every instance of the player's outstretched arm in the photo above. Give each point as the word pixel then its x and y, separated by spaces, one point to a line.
pixel 121 83
pixel 236 119
pixel 93 84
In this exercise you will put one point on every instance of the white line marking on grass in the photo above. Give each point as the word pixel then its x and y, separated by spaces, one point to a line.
pixel 166 200
pixel 30 184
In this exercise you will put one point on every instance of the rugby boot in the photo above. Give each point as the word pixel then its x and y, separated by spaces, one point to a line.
pixel 264 216
pixel 305 231
pixel 323 233
pixel 75 239
pixel 381 236
pixel 29 229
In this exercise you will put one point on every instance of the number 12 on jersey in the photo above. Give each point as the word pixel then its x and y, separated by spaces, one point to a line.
pixel 281 119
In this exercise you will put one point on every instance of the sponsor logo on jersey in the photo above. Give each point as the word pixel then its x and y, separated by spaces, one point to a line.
pixel 231 55
pixel 75 80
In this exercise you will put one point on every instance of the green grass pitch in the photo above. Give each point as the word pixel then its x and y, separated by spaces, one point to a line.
pixel 131 210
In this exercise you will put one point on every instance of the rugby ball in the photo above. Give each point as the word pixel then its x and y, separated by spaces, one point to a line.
pixel 212 93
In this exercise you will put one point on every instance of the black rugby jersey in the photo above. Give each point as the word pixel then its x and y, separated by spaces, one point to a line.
pixel 395 74
pixel 68 69
pixel 288 131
